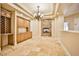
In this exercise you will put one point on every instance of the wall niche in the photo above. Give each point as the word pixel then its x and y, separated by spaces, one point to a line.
pixel 46 27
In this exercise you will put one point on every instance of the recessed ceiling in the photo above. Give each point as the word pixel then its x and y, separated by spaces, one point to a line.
pixel 45 8
pixel 70 8
pixel 50 8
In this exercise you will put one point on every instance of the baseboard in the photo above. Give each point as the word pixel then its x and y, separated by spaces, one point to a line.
pixel 65 49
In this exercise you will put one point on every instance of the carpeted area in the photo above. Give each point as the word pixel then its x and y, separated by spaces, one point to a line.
pixel 35 47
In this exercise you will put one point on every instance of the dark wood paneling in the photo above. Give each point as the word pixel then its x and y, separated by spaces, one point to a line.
pixel 10 40
pixel 2 24
pixel 5 21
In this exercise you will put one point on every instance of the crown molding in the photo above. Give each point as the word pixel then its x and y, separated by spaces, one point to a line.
pixel 22 9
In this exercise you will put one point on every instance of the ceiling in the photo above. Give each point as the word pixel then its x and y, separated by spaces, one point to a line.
pixel 70 8
pixel 51 8
pixel 45 8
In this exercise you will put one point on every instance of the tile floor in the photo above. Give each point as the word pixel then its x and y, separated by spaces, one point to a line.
pixel 45 46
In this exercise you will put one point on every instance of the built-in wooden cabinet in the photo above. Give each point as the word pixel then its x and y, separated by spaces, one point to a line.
pixel 6 34
pixel 5 21
pixel 23 36
pixel 10 39
pixel 23 24
pixel 19 22
pixel 18 37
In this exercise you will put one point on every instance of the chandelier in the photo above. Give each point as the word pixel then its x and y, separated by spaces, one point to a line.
pixel 38 15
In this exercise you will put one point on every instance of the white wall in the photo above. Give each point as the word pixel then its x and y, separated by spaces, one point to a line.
pixel 59 25
pixel 70 40
pixel 76 23
pixel 34 27
pixel 53 28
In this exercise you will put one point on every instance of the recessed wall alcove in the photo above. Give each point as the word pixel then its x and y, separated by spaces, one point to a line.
pixel 46 27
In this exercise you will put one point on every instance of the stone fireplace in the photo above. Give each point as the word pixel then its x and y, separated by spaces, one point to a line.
pixel 46 27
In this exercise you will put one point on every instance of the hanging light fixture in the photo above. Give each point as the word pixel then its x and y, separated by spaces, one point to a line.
pixel 38 15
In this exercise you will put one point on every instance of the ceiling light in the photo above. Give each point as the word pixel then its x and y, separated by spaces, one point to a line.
pixel 38 15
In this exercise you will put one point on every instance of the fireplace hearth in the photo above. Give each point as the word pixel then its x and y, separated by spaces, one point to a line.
pixel 45 30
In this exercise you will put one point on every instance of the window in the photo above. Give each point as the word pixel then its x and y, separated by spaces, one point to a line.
pixel 65 26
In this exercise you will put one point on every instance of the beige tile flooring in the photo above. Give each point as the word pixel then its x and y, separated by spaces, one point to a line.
pixel 45 46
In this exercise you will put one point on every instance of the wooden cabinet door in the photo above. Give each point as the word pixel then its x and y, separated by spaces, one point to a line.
pixel 30 34
pixel 28 23
pixel 20 22
pixel 10 39
pixel 23 37
pixel 26 36
pixel 18 38
pixel 25 23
